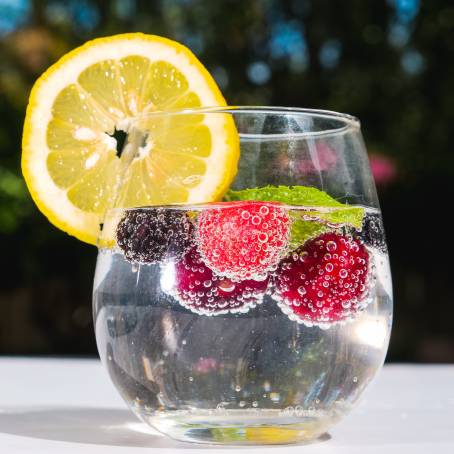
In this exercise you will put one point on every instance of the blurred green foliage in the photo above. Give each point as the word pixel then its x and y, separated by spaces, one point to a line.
pixel 387 62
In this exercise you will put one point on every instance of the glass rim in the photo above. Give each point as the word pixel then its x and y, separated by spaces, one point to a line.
pixel 346 121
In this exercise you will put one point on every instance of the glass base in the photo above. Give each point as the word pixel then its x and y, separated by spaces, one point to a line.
pixel 237 427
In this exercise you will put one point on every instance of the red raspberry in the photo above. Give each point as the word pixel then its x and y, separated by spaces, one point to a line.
pixel 198 289
pixel 326 280
pixel 243 240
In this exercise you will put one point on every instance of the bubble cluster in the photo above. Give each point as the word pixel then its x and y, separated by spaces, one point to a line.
pixel 243 240
pixel 200 290
pixel 324 281
pixel 152 235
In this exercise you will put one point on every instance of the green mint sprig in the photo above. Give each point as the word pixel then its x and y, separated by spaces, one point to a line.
pixel 315 221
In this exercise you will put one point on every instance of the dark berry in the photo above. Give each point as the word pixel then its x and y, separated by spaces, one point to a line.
pixel 243 240
pixel 153 235
pixel 324 281
pixel 372 232
pixel 200 290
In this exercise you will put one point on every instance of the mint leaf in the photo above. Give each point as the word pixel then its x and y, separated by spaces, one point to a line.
pixel 291 195
pixel 301 231
pixel 351 216
pixel 307 197
pixel 316 221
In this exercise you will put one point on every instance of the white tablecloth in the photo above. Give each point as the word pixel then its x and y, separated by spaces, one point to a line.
pixel 69 406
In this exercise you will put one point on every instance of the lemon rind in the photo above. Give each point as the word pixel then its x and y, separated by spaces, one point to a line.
pixel 76 222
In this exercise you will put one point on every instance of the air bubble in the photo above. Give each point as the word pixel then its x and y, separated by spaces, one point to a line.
pixel 227 286
pixel 263 237
pixel 264 210
pixel 331 246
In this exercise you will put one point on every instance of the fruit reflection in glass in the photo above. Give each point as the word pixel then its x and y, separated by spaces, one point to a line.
pixel 260 317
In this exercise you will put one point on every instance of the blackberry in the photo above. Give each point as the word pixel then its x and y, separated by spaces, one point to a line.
pixel 152 235
pixel 372 232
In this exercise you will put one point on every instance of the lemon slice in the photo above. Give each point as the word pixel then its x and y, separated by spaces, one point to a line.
pixel 70 160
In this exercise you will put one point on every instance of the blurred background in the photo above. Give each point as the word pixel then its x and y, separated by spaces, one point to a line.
pixel 389 62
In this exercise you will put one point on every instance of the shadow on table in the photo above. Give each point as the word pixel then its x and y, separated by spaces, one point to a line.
pixel 98 426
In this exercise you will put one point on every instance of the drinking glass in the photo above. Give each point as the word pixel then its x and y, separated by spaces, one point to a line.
pixel 260 318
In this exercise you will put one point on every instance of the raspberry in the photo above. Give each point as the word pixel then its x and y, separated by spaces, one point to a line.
pixel 201 291
pixel 326 280
pixel 243 240
pixel 152 235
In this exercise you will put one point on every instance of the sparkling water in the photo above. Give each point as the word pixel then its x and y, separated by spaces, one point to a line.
pixel 253 372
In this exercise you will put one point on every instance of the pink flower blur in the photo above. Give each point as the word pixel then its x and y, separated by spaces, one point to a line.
pixel 205 365
pixel 383 168
pixel 325 159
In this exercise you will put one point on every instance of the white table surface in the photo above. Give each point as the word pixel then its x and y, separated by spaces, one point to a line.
pixel 69 406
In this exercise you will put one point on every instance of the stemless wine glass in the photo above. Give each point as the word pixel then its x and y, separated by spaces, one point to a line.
pixel 261 317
